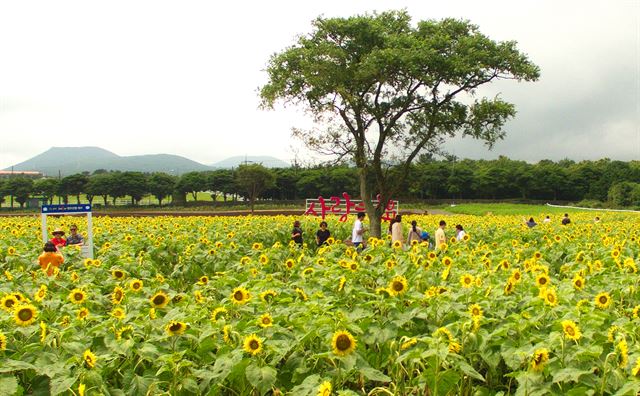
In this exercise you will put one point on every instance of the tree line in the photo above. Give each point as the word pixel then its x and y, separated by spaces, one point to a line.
pixel 605 180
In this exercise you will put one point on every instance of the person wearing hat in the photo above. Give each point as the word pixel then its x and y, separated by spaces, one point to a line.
pixel 58 240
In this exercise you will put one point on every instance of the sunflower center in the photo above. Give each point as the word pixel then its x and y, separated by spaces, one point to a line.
pixel 25 314
pixel 543 281
pixel 175 327
pixel 266 320
pixel 254 344
pixel 238 295
pixel 9 303
pixel 398 286
pixel 603 299
pixel 158 300
pixel 343 342
pixel 78 296
pixel 570 331
pixel 475 312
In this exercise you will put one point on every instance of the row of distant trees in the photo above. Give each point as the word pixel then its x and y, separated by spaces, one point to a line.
pixel 604 180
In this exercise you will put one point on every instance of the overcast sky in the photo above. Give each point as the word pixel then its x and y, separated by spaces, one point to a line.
pixel 181 77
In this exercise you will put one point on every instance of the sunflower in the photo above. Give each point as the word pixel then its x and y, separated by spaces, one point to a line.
pixel 290 263
pixel 252 344
pixel 136 285
pixel 447 261
pixel 539 359
pixel 578 282
pixel 571 330
pixel 244 260
pixel 398 285
pixel 324 389
pixel 343 343
pixel 118 274
pixel 603 300
pixel 43 331
pixel 475 310
pixel 8 302
pixel 175 328
pixel 454 346
pixel 353 266
pixel 615 253
pixel 226 333
pixel 41 293
pixel 408 343
pixel 397 245
pixel 159 300
pixel 550 297
pixel 341 283
pixel 83 313
pixel 265 321
pixel 636 369
pixel 8 275
pixel 504 264
pixel 466 280
pixel 268 296
pixel 390 264
pixel 263 259
pixel 240 295
pixel 25 314
pixel 126 330
pixel 635 311
pixel 89 359
pixel 256 246
pixel 77 296
pixel 301 294
pixel 3 342
pixel 623 353
pixel 542 280
pixel 508 288
pixel 200 298
pixel 117 296
pixel 118 313
pixel 307 271
pixel 537 255
pixel 516 275
pixel 368 258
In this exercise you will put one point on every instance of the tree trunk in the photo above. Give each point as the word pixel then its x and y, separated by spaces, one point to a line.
pixel 374 218
pixel 104 198
pixel 159 201
pixel 78 198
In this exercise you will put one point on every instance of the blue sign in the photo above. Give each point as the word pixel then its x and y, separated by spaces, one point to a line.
pixel 56 209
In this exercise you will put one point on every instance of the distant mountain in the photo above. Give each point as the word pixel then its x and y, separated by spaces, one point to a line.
pixel 70 160
pixel 267 161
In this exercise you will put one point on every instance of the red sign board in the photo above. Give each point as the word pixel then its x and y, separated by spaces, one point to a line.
pixel 344 206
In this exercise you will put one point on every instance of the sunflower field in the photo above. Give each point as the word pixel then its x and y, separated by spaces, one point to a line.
pixel 228 306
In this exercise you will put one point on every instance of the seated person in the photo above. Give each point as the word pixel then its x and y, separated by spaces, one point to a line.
pixel 50 258
pixel 58 240
pixel 74 238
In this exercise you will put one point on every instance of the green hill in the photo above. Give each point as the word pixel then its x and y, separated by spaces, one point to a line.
pixel 70 160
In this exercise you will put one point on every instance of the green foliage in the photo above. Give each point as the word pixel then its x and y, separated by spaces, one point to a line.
pixel 253 180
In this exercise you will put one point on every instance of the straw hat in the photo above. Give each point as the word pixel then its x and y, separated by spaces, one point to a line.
pixel 58 231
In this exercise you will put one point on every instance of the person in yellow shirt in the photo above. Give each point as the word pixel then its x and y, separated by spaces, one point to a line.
pixel 441 238
pixel 50 258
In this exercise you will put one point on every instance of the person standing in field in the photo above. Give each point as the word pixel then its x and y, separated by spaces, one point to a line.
pixel 441 238
pixel 323 234
pixel 547 220
pixel 566 220
pixel 296 234
pixel 460 232
pixel 415 233
pixel 74 238
pixel 50 258
pixel 397 233
pixel 357 234
pixel 58 238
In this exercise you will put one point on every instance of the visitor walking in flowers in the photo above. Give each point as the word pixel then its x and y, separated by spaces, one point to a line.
pixel 441 238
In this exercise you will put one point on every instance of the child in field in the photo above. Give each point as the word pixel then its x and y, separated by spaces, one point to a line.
pixel 50 258
pixel 296 234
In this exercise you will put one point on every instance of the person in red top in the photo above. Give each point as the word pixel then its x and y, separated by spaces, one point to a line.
pixel 58 240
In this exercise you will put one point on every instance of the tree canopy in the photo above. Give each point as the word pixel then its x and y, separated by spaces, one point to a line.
pixel 386 90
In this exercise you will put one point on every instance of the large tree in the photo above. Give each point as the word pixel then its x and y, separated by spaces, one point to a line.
pixel 386 90
pixel 161 185
pixel 47 187
pixel 253 180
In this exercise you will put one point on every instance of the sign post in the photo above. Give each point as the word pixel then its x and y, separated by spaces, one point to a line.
pixel 87 248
